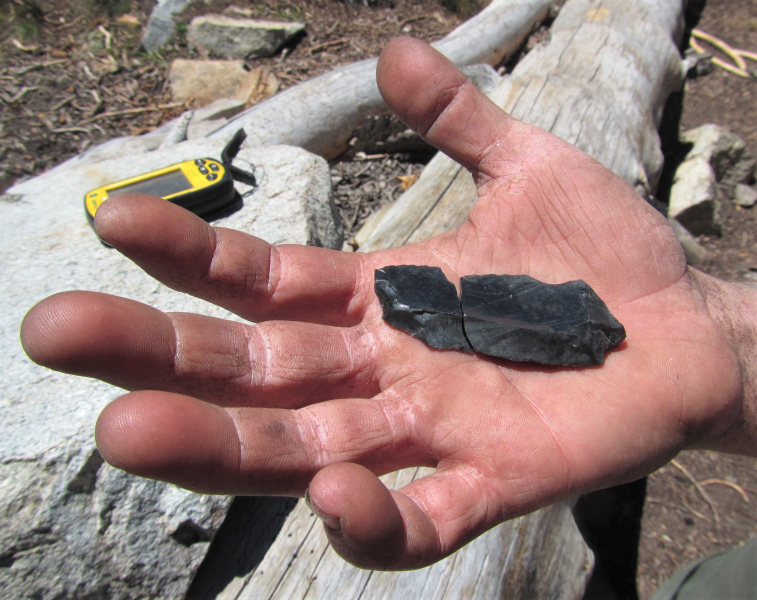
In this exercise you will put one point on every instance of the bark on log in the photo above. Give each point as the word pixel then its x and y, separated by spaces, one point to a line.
pixel 601 83
pixel 537 556
pixel 320 114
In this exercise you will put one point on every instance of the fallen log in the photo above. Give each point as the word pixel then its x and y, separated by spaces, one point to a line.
pixel 541 555
pixel 601 84
pixel 320 114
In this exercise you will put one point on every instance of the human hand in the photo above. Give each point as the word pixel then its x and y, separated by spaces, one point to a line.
pixel 322 395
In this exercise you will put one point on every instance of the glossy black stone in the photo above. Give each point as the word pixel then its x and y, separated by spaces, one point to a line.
pixel 520 318
pixel 515 317
pixel 421 301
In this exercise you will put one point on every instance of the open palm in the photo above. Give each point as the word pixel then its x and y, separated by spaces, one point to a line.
pixel 322 395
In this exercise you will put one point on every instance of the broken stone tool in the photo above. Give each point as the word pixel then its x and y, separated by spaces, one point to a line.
pixel 515 317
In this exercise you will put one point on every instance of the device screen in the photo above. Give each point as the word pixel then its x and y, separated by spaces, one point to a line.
pixel 161 186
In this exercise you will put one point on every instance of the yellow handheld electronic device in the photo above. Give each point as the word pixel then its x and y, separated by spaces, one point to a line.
pixel 202 186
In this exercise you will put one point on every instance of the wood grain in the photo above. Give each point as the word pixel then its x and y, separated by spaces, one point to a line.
pixel 601 83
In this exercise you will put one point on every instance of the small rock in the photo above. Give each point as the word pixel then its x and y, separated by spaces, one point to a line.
pixel 716 163
pixel 745 196
pixel 226 37
pixel 695 253
pixel 695 197
pixel 206 81
pixel 725 151
pixel 261 84
pixel 129 21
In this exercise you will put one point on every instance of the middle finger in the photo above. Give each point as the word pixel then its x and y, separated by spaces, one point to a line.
pixel 137 347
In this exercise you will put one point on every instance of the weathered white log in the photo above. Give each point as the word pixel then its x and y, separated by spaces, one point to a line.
pixel 601 83
pixel 537 556
pixel 320 114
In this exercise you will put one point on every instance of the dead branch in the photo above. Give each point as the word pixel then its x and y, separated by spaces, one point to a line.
pixel 131 111
pixel 699 488
pixel 324 45
pixel 734 486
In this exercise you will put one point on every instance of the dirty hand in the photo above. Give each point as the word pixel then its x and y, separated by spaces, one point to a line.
pixel 323 395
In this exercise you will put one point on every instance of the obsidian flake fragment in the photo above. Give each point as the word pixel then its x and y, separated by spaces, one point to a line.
pixel 515 317
pixel 520 318
pixel 421 301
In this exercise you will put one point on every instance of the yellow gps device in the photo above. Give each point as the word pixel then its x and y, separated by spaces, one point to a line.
pixel 202 186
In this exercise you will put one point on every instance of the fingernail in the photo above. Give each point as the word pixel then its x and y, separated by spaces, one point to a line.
pixel 331 522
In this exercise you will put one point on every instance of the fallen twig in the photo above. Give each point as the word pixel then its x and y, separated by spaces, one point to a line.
pixel 360 156
pixel 70 130
pixel 736 487
pixel 435 17
pixel 36 66
pixel 357 212
pixel 332 29
pixel 693 510
pixel 325 45
pixel 46 122
pixel 131 111
pixel 699 488
pixel 108 36
pixel 684 509
pixel 21 93
pixel 23 48
pixel 98 103
pixel 87 71
pixel 71 23
pixel 63 103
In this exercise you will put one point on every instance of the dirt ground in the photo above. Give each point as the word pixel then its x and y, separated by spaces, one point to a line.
pixel 71 76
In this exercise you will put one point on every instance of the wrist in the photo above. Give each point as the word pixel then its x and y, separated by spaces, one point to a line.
pixel 733 309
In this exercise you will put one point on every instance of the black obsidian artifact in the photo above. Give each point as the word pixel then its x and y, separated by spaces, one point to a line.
pixel 515 317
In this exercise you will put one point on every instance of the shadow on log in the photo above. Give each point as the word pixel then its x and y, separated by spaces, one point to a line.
pixel 248 531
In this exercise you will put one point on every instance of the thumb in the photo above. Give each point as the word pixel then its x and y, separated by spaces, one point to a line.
pixel 369 525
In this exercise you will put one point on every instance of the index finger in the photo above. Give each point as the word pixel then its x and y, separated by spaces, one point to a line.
pixel 232 269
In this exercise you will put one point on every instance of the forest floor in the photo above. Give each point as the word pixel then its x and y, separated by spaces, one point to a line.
pixel 71 76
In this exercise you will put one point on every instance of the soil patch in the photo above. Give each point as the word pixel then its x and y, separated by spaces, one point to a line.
pixel 72 74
